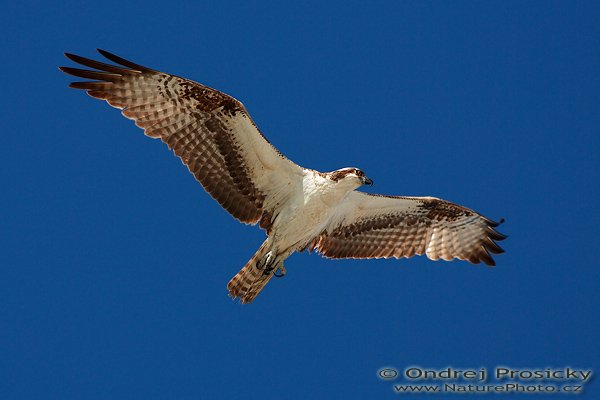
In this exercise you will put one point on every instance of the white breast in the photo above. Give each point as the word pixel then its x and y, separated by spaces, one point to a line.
pixel 306 213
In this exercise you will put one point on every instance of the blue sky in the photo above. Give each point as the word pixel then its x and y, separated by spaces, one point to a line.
pixel 115 261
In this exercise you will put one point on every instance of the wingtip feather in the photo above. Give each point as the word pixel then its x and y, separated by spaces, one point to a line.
pixel 70 56
pixel 119 60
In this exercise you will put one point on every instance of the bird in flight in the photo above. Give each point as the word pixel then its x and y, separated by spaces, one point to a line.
pixel 299 208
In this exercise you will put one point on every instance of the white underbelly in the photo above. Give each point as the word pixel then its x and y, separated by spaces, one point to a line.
pixel 296 226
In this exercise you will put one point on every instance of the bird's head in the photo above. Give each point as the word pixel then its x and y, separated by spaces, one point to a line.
pixel 350 176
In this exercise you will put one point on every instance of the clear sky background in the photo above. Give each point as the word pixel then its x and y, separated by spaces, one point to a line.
pixel 115 261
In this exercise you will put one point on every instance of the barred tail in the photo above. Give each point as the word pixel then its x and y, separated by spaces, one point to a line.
pixel 249 282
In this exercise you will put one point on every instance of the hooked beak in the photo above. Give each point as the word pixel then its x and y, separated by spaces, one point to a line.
pixel 367 181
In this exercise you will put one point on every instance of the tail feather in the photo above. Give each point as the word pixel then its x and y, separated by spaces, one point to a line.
pixel 251 280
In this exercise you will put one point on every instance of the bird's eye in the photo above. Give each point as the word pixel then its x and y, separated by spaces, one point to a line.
pixel 359 172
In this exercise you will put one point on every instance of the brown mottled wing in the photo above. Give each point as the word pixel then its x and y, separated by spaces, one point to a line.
pixel 210 131
pixel 372 226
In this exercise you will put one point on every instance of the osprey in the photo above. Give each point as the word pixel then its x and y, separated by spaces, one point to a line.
pixel 299 208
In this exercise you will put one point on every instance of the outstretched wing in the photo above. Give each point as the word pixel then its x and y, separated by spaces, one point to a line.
pixel 374 226
pixel 210 131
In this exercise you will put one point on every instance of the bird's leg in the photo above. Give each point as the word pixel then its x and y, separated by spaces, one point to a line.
pixel 272 263
pixel 268 263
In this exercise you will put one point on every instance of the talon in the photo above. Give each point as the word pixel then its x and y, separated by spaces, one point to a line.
pixel 268 271
pixel 281 270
